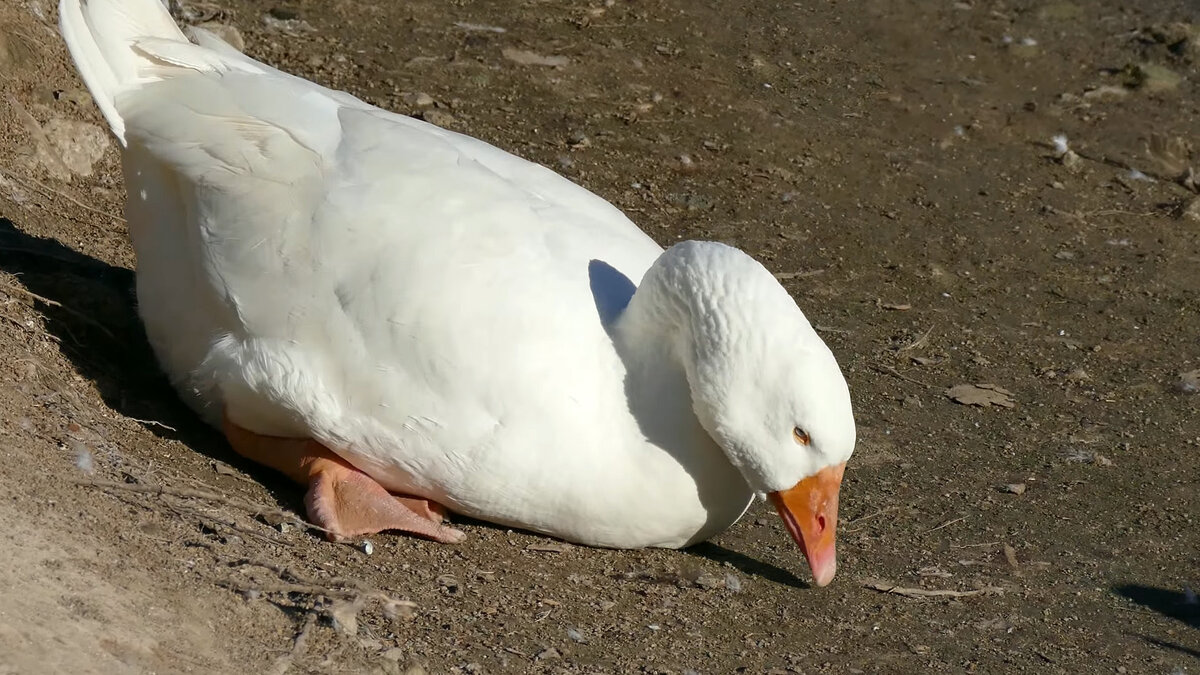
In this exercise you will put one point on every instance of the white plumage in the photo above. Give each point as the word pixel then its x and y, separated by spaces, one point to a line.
pixel 447 317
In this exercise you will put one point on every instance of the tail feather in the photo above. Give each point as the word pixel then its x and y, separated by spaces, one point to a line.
pixel 101 36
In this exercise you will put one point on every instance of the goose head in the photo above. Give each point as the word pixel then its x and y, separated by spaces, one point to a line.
pixel 764 385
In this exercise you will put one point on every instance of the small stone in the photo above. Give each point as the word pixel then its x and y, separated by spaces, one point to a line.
pixel 578 139
pixel 438 118
pixel 547 654
pixel 1153 78
pixel 1071 161
pixel 290 26
pixel 1065 255
pixel 1189 382
pixel 1102 460
pixel 576 636
pixel 71 147
pixel 1014 488
pixel 732 583
pixel 1106 92
pixel 1190 210
pixel 448 582
pixel 418 100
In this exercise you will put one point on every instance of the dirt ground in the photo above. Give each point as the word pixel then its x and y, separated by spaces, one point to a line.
pixel 891 160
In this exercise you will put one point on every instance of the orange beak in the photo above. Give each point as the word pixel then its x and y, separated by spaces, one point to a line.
pixel 810 512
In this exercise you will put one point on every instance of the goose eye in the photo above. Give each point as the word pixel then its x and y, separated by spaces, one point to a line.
pixel 800 435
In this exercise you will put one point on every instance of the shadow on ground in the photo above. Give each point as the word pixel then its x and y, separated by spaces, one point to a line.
pixel 89 306
pixel 1178 605
pixel 746 564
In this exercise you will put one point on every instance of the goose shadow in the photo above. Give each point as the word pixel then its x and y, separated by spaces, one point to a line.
pixel 746 564
pixel 89 306
pixel 1178 605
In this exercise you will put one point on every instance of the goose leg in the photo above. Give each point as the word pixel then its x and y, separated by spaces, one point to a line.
pixel 341 499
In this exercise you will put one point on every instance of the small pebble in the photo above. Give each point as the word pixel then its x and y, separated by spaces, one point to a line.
pixel 1014 488
pixel 367 547
pixel 576 636
pixel 1189 383
pixel 438 118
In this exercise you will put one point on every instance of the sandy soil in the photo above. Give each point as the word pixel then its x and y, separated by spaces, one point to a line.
pixel 892 160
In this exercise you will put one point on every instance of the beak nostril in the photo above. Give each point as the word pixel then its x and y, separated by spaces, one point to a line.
pixel 820 524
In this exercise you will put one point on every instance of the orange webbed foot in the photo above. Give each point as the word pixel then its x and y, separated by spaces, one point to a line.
pixel 349 503
pixel 342 500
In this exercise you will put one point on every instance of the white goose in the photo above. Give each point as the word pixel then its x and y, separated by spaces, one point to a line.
pixel 407 319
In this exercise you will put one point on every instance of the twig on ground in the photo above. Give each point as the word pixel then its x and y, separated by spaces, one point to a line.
pixel 54 303
pixel 869 516
pixel 151 422
pixel 254 509
pixel 922 593
pixel 286 587
pixel 44 189
pixel 916 343
pixel 209 520
pixel 948 523
pixel 888 370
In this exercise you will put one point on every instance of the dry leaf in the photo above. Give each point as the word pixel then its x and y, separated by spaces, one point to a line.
pixel 784 276
pixel 982 395
pixel 1010 554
